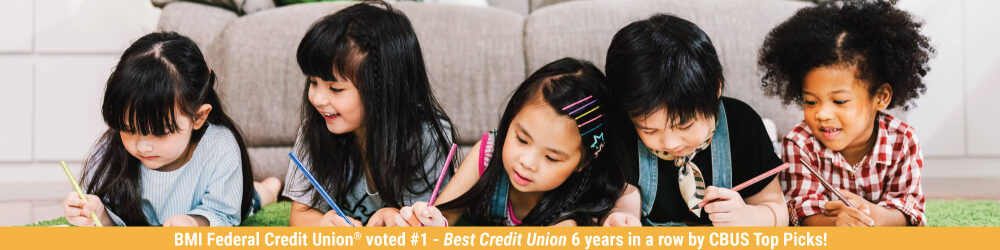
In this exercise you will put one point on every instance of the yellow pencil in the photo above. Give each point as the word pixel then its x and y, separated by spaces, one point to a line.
pixel 80 192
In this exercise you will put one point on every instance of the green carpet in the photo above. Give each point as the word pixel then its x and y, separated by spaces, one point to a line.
pixel 945 213
pixel 269 216
pixel 940 213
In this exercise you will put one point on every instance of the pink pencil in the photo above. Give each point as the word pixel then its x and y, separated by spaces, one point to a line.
pixel 413 219
pixel 747 183
pixel 444 170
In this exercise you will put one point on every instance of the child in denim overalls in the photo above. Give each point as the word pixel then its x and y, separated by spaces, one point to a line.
pixel 678 140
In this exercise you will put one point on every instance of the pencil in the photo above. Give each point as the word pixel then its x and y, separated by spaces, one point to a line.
pixel 413 221
pixel 444 170
pixel 749 182
pixel 79 192
pixel 319 189
pixel 829 187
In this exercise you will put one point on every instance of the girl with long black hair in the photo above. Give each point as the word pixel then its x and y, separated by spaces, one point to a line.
pixel 544 164
pixel 171 155
pixel 372 132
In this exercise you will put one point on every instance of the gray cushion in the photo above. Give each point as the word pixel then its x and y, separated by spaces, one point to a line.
pixel 240 7
pixel 584 29
pixel 473 58
pixel 202 23
pixel 269 161
pixel 538 4
pixel 517 6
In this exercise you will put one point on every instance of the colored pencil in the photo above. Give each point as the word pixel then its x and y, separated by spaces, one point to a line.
pixel 79 192
pixel 319 189
pixel 444 169
pixel 747 183
pixel 829 187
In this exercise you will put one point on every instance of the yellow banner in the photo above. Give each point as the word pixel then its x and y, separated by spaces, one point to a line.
pixel 578 238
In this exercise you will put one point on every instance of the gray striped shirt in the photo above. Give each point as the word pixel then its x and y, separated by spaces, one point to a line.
pixel 209 185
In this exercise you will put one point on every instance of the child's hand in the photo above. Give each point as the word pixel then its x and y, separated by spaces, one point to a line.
pixel 428 216
pixel 387 217
pixel 331 219
pixel 848 216
pixel 406 216
pixel 78 212
pixel 619 219
pixel 726 207
pixel 856 200
pixel 184 220
pixel 860 216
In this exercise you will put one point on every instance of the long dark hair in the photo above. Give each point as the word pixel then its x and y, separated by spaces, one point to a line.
pixel 375 47
pixel 587 195
pixel 156 74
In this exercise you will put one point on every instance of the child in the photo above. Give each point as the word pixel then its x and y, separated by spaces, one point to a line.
pixel 681 142
pixel 845 62
pixel 372 134
pixel 172 156
pixel 542 165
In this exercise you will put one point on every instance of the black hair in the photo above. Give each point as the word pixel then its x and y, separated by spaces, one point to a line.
pixel 587 195
pixel 881 43
pixel 664 62
pixel 375 47
pixel 156 74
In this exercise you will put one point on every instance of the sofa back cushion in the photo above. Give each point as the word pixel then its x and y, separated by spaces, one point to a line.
pixel 474 58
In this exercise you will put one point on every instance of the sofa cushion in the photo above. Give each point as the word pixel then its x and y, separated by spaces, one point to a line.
pixel 473 57
pixel 584 29
pixel 202 23
pixel 239 7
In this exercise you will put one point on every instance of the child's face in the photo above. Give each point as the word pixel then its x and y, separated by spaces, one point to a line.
pixel 678 140
pixel 168 152
pixel 338 102
pixel 839 109
pixel 541 149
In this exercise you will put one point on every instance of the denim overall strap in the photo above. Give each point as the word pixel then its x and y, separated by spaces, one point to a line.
pixel 498 204
pixel 648 174
pixel 649 168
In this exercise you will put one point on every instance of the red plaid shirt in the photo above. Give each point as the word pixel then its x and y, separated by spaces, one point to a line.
pixel 889 176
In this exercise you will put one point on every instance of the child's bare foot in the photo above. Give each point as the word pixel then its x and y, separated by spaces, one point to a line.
pixel 268 190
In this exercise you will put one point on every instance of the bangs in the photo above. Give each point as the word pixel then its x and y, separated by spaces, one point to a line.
pixel 327 52
pixel 687 91
pixel 142 103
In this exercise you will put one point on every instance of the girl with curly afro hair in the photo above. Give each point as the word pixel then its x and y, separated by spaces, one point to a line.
pixel 844 62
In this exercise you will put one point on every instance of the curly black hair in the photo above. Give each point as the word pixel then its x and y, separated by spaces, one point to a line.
pixel 881 43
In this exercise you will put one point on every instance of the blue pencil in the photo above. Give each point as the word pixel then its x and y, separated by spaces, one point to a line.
pixel 320 189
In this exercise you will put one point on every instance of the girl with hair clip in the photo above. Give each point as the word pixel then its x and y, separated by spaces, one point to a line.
pixel 544 165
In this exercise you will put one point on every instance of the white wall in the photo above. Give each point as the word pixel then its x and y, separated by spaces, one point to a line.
pixel 957 119
pixel 55 56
